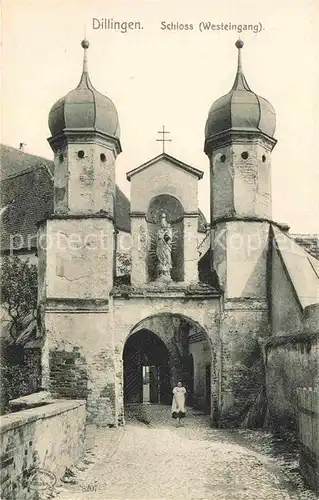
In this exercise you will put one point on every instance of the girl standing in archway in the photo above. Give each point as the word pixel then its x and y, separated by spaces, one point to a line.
pixel 178 404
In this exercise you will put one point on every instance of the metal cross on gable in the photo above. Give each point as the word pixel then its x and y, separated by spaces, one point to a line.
pixel 163 138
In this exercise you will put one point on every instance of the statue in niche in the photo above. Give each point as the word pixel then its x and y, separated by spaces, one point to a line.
pixel 164 238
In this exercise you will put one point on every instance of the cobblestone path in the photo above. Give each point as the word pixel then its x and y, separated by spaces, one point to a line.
pixel 160 461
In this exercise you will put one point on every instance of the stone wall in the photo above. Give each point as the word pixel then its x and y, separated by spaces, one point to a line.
pixel 291 362
pixel 170 180
pixel 242 367
pixel 240 178
pixel 38 444
pixel 78 360
pixel 202 358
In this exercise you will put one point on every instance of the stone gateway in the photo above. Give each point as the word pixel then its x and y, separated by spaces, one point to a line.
pixel 196 302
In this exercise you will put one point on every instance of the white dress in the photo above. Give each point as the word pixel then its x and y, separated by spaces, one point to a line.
pixel 178 404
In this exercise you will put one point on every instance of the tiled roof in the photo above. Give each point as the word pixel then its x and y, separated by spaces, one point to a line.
pixel 310 242
pixel 27 197
pixel 301 267
pixel 15 161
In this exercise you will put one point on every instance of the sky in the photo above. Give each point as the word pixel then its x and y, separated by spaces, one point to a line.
pixel 159 77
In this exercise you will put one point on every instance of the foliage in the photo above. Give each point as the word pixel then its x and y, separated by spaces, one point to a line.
pixel 123 263
pixel 20 372
pixel 19 284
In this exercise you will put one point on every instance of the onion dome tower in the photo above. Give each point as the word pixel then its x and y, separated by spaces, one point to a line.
pixel 84 107
pixel 85 140
pixel 239 137
pixel 76 251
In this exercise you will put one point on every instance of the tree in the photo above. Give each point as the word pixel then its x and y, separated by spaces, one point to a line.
pixel 19 284
pixel 123 263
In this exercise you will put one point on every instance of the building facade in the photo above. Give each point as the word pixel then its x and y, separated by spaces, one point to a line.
pixel 196 306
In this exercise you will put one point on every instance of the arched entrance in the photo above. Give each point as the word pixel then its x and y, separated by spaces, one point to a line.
pixel 146 369
pixel 159 351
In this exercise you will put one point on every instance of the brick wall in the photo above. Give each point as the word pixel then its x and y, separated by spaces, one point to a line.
pixel 37 445
pixel 68 374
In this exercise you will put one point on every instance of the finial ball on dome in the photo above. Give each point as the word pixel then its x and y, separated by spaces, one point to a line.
pixel 85 44
pixel 239 44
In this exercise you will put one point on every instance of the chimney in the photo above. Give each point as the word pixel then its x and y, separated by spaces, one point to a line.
pixel 21 147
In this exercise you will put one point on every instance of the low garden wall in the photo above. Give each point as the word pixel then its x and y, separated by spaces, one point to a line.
pixel 37 446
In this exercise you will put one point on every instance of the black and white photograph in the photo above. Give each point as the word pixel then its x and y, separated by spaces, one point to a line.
pixel 159 250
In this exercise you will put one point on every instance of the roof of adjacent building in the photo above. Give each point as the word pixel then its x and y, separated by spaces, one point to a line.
pixel 240 109
pixel 301 267
pixel 27 198
pixel 310 242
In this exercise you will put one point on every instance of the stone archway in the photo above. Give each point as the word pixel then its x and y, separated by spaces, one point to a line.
pixel 179 340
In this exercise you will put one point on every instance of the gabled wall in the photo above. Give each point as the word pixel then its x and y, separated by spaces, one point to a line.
pixel 286 312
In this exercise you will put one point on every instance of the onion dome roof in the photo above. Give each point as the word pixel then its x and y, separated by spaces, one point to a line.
pixel 241 108
pixel 84 108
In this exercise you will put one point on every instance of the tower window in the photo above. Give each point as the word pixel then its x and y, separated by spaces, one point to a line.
pixel 223 158
pixel 103 157
pixel 80 154
pixel 61 158
pixel 263 158
pixel 244 155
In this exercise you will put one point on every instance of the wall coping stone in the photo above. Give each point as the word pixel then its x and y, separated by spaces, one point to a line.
pixel 166 290
pixel 31 399
pixel 282 340
pixel 21 418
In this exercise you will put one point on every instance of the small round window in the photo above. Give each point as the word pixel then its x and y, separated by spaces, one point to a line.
pixel 61 158
pixel 80 154
pixel 263 158
pixel 223 158
pixel 102 157
pixel 244 155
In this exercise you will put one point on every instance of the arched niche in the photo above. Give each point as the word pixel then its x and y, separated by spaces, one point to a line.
pixel 174 212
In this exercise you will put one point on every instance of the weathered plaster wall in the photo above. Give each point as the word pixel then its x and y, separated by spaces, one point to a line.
pixel 49 437
pixel 84 185
pixel 123 242
pixel 241 185
pixel 243 379
pixel 140 249
pixel 191 254
pixel 286 312
pixel 202 357
pixel 221 179
pixel 78 360
pixel 78 255
pixel 240 251
pixel 128 313
pixel 291 362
